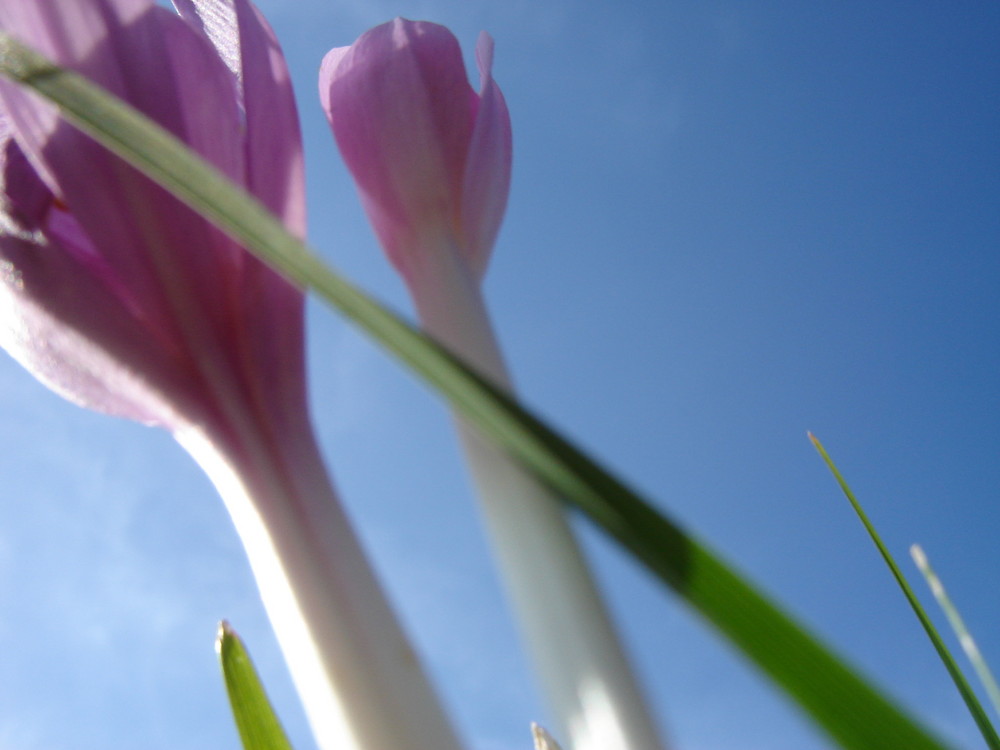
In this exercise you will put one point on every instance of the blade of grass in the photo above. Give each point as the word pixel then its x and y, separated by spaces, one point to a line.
pixel 843 704
pixel 958 625
pixel 256 721
pixel 968 694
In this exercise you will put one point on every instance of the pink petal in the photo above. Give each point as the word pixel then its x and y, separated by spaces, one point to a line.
pixel 66 327
pixel 487 170
pixel 275 174
pixel 400 105
pixel 69 29
pixel 154 242
pixel 24 197
pixel 181 313
pixel 216 19
pixel 246 42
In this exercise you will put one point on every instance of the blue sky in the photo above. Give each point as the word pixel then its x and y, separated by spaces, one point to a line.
pixel 730 223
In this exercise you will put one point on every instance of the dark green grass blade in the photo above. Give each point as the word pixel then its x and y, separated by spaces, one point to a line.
pixel 968 694
pixel 852 712
pixel 965 638
pixel 256 721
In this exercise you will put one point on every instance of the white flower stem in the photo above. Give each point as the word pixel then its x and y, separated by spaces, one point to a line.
pixel 583 670
pixel 362 685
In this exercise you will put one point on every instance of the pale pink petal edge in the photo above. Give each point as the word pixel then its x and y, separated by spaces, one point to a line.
pixel 486 183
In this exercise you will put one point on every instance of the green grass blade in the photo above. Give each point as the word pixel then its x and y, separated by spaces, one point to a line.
pixel 965 638
pixel 968 694
pixel 852 712
pixel 256 721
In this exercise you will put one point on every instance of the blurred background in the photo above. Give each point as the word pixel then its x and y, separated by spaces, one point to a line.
pixel 730 223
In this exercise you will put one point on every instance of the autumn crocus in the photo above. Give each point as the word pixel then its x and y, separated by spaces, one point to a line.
pixel 432 160
pixel 123 300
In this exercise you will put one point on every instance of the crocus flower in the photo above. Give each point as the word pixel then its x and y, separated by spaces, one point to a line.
pixel 123 300
pixel 430 156
pixel 432 159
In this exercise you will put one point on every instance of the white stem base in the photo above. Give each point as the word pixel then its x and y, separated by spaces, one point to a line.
pixel 591 689
pixel 361 684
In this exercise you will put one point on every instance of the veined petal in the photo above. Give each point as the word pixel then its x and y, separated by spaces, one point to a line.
pixel 217 20
pixel 486 182
pixel 69 319
pixel 246 42
pixel 401 108
pixel 66 328
pixel 71 33
pixel 119 209
pixel 275 174
pixel 276 167
pixel 69 30
pixel 192 289
pixel 185 272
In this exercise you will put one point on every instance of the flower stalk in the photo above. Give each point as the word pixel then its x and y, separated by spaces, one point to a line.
pixel 589 684
pixel 360 682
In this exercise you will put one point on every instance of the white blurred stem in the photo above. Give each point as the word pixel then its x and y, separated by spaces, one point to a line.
pixel 362 686
pixel 590 687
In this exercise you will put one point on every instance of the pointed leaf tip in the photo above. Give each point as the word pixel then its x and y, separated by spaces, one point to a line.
pixel 258 725
pixel 223 633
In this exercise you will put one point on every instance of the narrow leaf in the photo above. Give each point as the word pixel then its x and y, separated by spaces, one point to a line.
pixel 958 625
pixel 855 714
pixel 256 721
pixel 968 694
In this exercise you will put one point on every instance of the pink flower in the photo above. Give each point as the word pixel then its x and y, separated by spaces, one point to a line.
pixel 124 300
pixel 431 160
pixel 116 295
pixel 430 156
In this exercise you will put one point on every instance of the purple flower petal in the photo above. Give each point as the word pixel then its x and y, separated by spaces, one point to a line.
pixel 275 174
pixel 402 112
pixel 69 328
pixel 246 42
pixel 218 327
pixel 487 171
